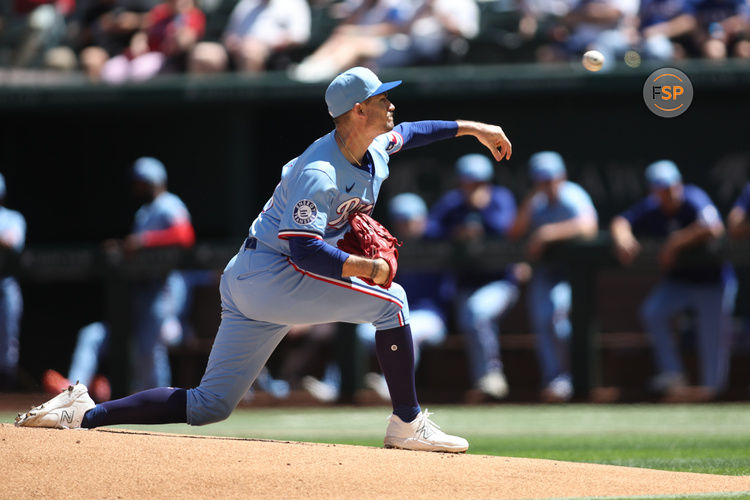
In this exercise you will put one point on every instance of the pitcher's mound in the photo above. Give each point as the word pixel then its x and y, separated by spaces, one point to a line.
pixel 116 463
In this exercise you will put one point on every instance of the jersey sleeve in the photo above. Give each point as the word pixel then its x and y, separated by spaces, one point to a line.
pixel 15 234
pixel 706 213
pixel 310 198
pixel 579 202
pixel 409 135
pixel 177 213
pixel 176 227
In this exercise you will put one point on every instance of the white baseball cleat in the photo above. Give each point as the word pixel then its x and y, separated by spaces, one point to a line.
pixel 421 434
pixel 64 411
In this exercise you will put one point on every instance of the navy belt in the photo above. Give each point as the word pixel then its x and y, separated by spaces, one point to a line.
pixel 251 243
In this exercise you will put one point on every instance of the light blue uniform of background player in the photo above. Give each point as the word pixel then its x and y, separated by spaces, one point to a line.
pixel 686 217
pixel 12 237
pixel 165 220
pixel 157 303
pixel 288 272
pixel 478 209
pixel 555 210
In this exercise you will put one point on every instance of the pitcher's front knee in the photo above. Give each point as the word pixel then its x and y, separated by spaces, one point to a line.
pixel 395 312
pixel 205 407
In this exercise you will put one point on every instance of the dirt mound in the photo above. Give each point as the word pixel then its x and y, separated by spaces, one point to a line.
pixel 116 463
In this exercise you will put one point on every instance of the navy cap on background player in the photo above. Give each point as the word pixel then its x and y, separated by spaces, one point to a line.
pixel 149 170
pixel 352 86
pixel 2 186
pixel 474 168
pixel 407 206
pixel 662 174
pixel 546 166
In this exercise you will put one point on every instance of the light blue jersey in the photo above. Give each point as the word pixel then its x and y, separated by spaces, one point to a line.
pixel 318 191
pixel 549 294
pixel 165 211
pixel 572 201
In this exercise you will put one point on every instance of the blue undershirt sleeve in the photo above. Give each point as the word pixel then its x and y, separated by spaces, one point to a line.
pixel 416 134
pixel 316 256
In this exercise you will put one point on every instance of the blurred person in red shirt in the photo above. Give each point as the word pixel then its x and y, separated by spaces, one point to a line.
pixel 170 31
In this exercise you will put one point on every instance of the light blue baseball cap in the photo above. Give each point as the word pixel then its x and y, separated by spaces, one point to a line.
pixel 2 186
pixel 546 166
pixel 407 206
pixel 149 170
pixel 474 168
pixel 662 174
pixel 352 86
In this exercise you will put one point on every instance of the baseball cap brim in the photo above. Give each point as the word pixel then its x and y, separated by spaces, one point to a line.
pixel 385 87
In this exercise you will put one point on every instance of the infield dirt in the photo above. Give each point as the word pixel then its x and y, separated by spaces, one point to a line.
pixel 128 464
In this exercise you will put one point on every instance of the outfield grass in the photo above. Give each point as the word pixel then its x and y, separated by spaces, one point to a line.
pixel 693 438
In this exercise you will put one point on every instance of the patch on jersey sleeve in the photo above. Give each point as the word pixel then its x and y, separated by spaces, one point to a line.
pixel 305 212
pixel 395 143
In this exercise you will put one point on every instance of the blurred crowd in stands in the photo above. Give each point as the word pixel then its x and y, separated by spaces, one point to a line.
pixel 133 40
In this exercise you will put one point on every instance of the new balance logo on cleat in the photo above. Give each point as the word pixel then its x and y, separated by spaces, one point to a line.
pixel 67 417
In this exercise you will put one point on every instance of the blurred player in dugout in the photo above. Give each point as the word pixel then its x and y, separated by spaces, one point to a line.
pixel 162 220
pixel 555 210
pixel 705 284
pixel 476 209
pixel 12 238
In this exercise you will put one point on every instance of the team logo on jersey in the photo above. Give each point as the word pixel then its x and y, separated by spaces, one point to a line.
pixel 347 207
pixel 395 142
pixel 305 212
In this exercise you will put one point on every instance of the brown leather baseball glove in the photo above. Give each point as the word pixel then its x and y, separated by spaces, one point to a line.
pixel 368 238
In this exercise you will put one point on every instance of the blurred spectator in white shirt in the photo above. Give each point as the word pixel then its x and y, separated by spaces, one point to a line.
pixel 437 26
pixel 362 36
pixel 257 29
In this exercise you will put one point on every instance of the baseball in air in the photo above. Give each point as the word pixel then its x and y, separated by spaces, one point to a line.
pixel 593 60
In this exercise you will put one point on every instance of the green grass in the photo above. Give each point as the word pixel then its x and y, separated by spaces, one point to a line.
pixel 693 438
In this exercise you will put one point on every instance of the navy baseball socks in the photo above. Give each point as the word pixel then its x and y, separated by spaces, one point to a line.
pixel 163 405
pixel 395 352
pixel 408 428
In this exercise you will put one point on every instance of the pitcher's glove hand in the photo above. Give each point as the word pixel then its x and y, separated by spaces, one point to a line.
pixel 368 238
